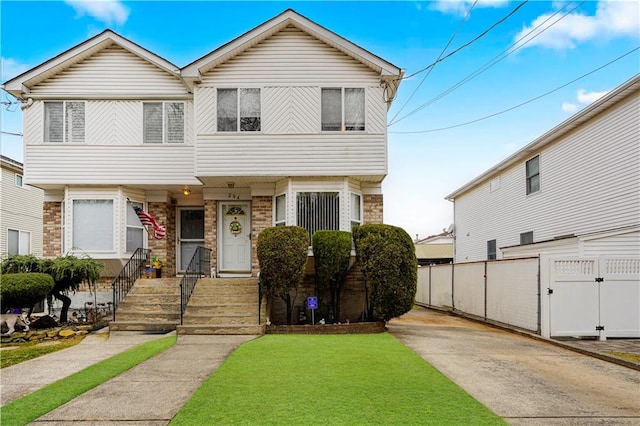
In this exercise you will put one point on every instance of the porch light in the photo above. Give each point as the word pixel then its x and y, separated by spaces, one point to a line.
pixel 186 190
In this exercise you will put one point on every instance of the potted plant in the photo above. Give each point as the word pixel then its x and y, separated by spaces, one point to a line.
pixel 157 264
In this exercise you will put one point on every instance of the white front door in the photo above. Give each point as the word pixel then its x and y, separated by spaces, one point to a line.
pixel 235 237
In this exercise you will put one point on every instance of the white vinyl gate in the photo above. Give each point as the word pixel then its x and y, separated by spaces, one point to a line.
pixel 594 297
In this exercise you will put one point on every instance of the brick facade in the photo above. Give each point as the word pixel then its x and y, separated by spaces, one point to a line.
pixel 373 208
pixel 261 218
pixel 51 229
pixel 211 230
pixel 165 249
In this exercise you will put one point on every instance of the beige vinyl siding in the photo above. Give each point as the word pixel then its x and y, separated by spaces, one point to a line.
pixel 242 154
pixel 291 58
pixel 624 244
pixel 290 110
pixel 21 210
pixel 110 164
pixel 589 182
pixel 111 73
pixel 33 123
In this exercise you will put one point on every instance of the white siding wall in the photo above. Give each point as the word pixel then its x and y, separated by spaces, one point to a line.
pixel 589 182
pixel 21 210
pixel 290 68
pixel 624 244
pixel 111 73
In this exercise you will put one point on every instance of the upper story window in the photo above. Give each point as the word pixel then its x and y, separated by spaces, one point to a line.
pixel 19 180
pixel 533 175
pixel 342 109
pixel 491 249
pixel 494 185
pixel 64 121
pixel 163 122
pixel 238 110
pixel 526 238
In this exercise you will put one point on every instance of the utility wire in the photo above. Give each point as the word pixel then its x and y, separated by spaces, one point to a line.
pixel 525 102
pixel 453 36
pixel 499 57
pixel 478 37
pixel 10 133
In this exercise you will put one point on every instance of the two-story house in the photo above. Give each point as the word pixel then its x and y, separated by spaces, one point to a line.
pixel 284 125
pixel 20 212
pixel 574 191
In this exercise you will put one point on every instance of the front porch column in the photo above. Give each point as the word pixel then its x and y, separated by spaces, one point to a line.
pixel 165 249
pixel 261 218
pixel 211 230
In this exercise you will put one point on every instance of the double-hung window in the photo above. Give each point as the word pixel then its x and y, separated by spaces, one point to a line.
pixel 491 250
pixel 93 225
pixel 342 109
pixel 135 229
pixel 163 122
pixel 526 238
pixel 281 210
pixel 64 122
pixel 238 110
pixel 18 242
pixel 533 175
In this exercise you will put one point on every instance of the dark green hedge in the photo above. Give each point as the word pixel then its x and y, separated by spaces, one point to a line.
pixel 24 290
pixel 332 253
pixel 387 257
pixel 282 253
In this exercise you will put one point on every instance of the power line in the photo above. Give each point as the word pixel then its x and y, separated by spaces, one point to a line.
pixel 10 133
pixel 525 102
pixel 499 57
pixel 453 36
pixel 478 37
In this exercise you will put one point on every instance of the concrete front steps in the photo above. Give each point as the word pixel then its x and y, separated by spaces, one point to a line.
pixel 152 305
pixel 223 306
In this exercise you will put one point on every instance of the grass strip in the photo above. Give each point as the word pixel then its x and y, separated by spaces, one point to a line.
pixel 31 406
pixel 370 379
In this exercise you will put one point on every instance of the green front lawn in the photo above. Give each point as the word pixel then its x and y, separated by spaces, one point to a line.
pixel 330 379
pixel 30 350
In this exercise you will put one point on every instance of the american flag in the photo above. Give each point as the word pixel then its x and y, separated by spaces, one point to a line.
pixel 146 219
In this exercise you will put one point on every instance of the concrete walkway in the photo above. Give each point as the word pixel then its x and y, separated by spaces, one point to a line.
pixel 524 380
pixel 152 392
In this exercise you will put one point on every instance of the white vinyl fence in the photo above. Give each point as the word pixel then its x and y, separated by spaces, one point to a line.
pixel 506 291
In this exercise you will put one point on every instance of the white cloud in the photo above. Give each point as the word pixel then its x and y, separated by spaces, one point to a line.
pixel 10 68
pixel 106 11
pixel 612 19
pixel 461 7
pixel 583 98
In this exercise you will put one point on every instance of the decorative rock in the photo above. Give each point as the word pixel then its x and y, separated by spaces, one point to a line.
pixel 66 333
pixel 81 332
pixel 53 332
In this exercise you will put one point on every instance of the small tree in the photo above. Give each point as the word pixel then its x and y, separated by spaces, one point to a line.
pixel 24 290
pixel 332 252
pixel 387 257
pixel 68 272
pixel 282 253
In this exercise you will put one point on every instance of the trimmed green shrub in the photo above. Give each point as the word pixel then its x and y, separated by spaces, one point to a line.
pixel 332 252
pixel 282 253
pixel 24 290
pixel 68 272
pixel 387 258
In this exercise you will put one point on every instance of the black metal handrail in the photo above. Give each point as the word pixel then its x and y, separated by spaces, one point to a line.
pixel 128 275
pixel 199 266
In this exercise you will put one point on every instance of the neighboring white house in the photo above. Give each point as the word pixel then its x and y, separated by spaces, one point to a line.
pixel 574 191
pixel 20 212
pixel 286 124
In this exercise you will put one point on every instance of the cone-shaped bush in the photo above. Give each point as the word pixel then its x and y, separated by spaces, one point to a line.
pixel 387 257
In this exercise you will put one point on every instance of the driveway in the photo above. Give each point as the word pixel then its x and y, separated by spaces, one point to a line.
pixel 526 381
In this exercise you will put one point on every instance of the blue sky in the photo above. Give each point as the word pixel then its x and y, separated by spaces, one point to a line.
pixel 423 166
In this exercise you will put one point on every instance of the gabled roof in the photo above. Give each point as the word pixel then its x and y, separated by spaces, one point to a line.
pixel 194 70
pixel 82 51
pixel 611 98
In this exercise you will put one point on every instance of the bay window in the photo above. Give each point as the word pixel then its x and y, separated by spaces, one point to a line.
pixel 135 229
pixel 64 122
pixel 92 225
pixel 318 211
